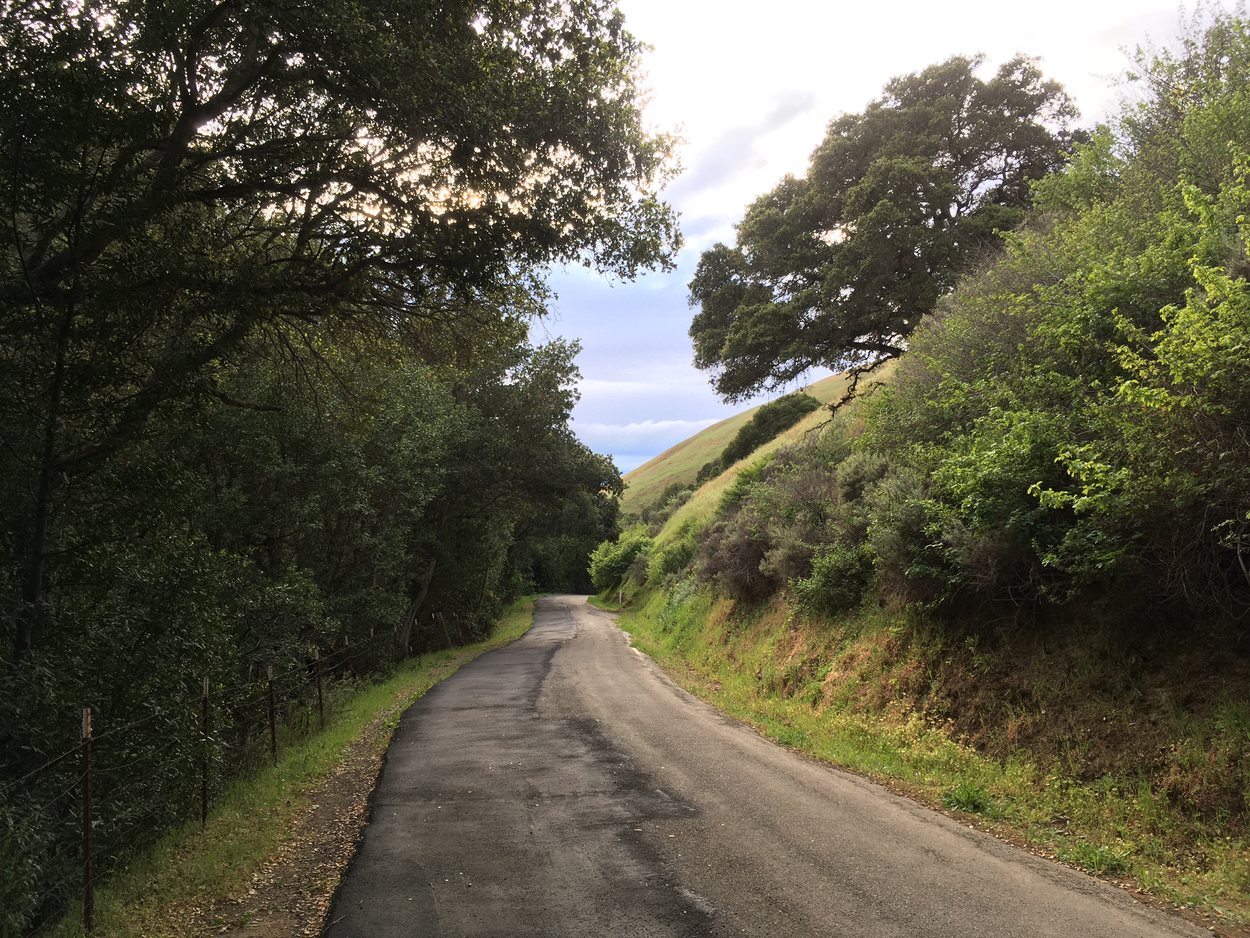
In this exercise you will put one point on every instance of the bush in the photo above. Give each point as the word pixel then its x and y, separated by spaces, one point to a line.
pixel 907 562
pixel 767 423
pixel 673 498
pixel 672 557
pixel 612 560
pixel 841 574
pixel 731 556
pixel 742 484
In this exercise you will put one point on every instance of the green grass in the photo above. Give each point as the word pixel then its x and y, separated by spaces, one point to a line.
pixel 806 685
pixel 971 799
pixel 190 868
pixel 1096 858
pixel 681 463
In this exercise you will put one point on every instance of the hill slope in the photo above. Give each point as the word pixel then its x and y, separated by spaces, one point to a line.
pixel 680 463
pixel 1121 753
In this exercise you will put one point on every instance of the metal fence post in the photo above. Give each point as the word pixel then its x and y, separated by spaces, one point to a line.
pixel 273 723
pixel 204 757
pixel 321 707
pixel 88 898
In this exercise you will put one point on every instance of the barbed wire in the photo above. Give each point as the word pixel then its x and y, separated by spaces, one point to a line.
pixel 73 787
pixel 56 760
pixel 224 697
pixel 103 766
pixel 170 783
pixel 71 846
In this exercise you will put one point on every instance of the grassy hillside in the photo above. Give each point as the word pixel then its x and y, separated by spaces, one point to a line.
pixel 680 463
pixel 699 509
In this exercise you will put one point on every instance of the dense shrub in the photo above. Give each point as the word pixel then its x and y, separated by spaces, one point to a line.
pixel 840 576
pixel 1072 419
pixel 673 497
pixel 731 554
pixel 1070 424
pixel 612 560
pixel 673 556
pixel 767 423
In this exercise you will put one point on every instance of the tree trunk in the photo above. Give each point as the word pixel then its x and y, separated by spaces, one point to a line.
pixel 36 540
pixel 417 591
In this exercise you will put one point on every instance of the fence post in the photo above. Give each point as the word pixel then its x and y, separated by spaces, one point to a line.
pixel 88 898
pixel 273 723
pixel 204 757
pixel 321 707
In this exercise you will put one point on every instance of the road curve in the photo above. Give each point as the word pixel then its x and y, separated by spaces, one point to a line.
pixel 564 786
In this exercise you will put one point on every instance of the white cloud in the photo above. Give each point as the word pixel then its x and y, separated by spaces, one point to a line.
pixel 662 382
pixel 639 435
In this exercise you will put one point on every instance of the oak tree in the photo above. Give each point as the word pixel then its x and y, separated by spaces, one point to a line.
pixel 835 268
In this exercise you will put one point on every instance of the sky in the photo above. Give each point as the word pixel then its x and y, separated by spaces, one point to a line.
pixel 750 87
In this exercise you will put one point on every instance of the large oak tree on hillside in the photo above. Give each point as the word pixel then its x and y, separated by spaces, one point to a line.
pixel 835 268
pixel 180 179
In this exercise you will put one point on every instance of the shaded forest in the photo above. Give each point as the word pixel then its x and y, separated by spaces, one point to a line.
pixel 267 399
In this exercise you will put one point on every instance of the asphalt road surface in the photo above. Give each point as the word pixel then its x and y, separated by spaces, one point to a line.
pixel 564 786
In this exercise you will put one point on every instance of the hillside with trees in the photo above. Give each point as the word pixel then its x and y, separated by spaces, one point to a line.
pixel 267 401
pixel 652 485
pixel 1027 554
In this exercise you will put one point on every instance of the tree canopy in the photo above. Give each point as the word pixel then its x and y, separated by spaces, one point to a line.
pixel 837 267
pixel 188 180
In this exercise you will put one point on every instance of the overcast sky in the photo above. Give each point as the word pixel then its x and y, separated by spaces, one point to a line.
pixel 751 86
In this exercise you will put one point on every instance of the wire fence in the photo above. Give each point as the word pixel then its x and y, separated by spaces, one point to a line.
pixel 83 810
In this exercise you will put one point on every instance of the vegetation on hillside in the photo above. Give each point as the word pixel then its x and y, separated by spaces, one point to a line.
pixel 1036 536
pixel 612 561
pixel 266 393
pixel 768 420
pixel 650 485
pixel 1023 733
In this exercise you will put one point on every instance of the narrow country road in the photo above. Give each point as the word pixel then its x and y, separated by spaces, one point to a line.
pixel 564 786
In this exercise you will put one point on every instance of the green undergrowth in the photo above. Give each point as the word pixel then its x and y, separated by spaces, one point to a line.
pixel 192 868
pixel 873 693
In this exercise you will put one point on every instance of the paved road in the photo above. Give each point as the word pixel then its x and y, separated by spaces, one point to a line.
pixel 564 786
